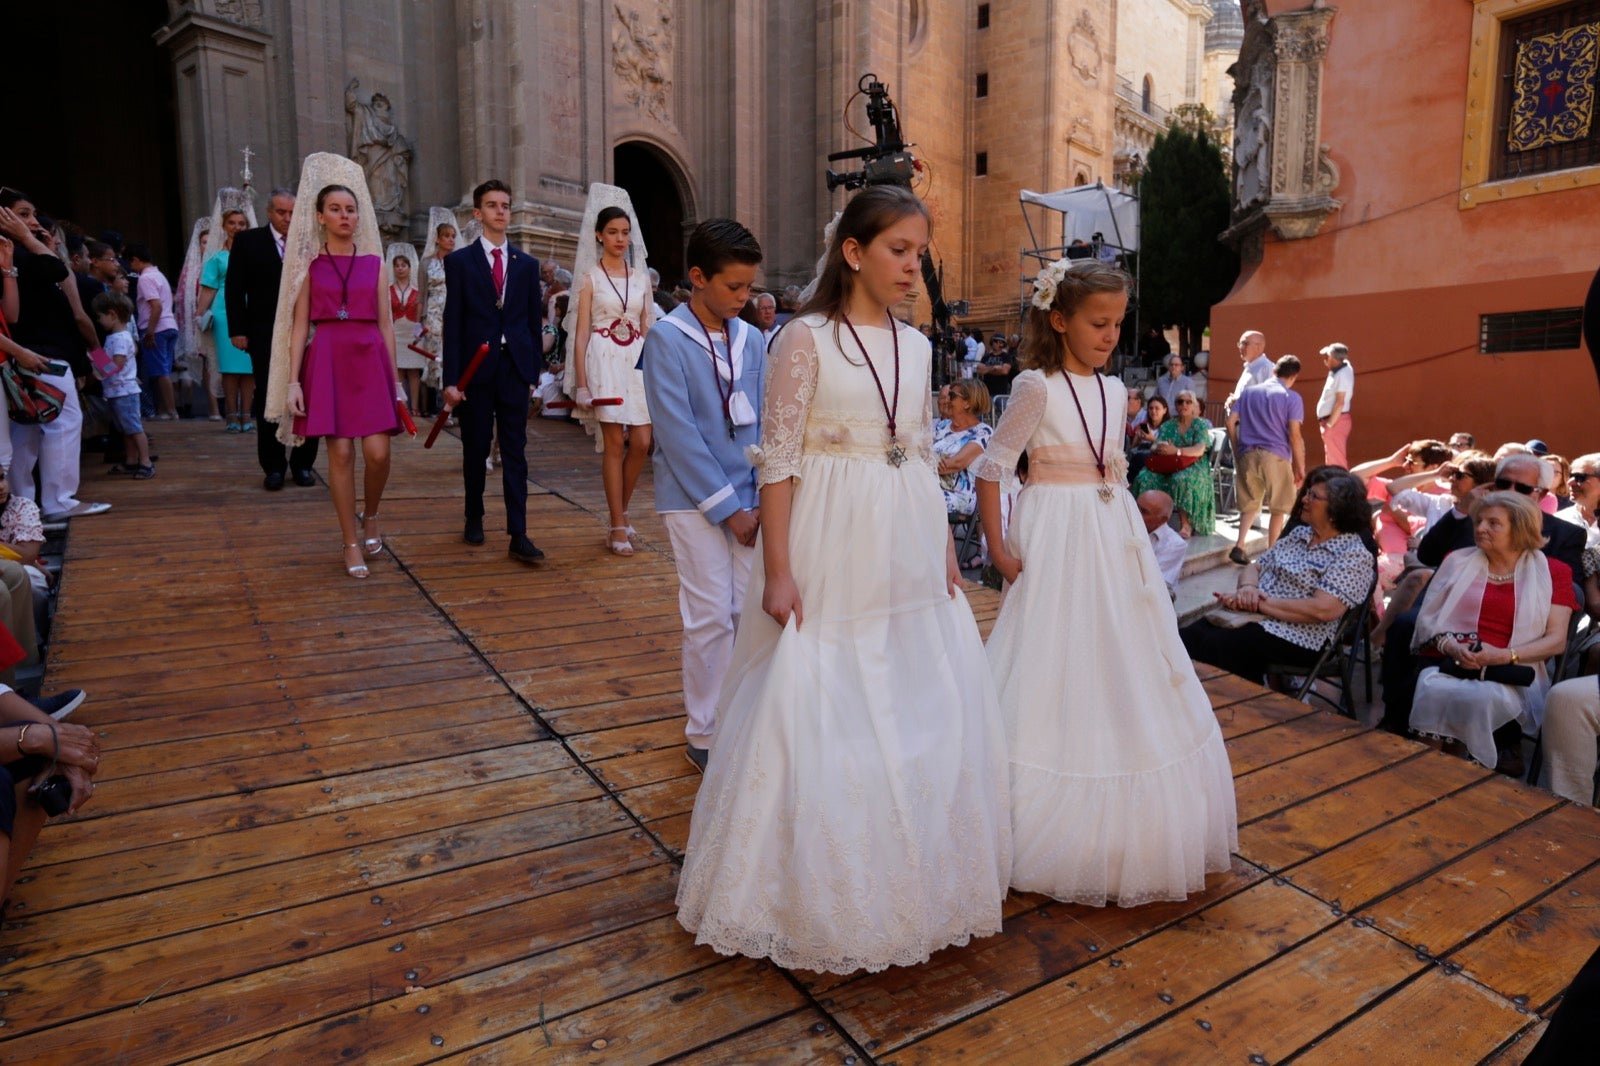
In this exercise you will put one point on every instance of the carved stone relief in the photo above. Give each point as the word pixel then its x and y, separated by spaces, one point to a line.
pixel 242 12
pixel 1284 177
pixel 641 55
pixel 1083 48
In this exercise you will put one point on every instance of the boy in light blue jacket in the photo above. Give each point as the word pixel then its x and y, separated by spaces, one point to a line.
pixel 704 372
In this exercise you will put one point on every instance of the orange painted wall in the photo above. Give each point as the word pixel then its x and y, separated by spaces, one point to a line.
pixel 1400 274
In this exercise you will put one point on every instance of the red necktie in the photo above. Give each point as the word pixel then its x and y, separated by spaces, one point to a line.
pixel 498 272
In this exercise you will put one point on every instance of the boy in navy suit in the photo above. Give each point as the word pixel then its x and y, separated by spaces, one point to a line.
pixel 494 300
pixel 704 371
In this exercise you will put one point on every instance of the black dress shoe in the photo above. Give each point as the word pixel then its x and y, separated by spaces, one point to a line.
pixel 473 534
pixel 273 481
pixel 523 550
pixel 304 478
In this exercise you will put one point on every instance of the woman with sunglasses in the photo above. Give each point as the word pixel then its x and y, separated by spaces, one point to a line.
pixel 1494 613
pixel 1526 475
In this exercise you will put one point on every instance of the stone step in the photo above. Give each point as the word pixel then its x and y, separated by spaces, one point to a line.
pixel 1207 570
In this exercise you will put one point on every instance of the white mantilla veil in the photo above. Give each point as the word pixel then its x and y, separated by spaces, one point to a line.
pixel 302 245
pixel 601 196
pixel 191 338
pixel 438 216
pixel 409 251
pixel 828 233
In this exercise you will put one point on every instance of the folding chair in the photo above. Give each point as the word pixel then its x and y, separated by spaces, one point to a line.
pixel 968 532
pixel 1222 471
pixel 1336 661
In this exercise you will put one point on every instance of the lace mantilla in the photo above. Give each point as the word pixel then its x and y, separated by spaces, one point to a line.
pixel 791 386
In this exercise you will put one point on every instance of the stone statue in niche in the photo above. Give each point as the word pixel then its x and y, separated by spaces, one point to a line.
pixel 383 152
pixel 1083 48
pixel 1252 147
pixel 641 55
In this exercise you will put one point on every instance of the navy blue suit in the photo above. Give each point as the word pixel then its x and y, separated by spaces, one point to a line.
pixel 498 394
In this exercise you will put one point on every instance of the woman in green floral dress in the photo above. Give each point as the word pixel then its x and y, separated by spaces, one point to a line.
pixel 1191 489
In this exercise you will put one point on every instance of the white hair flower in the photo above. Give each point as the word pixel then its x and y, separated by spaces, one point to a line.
pixel 1044 285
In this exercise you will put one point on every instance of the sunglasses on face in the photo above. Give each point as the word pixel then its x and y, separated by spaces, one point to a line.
pixel 1580 478
pixel 1505 484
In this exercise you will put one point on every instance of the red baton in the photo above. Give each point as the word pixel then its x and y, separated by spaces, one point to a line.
pixel 604 401
pixel 466 379
pixel 422 351
pixel 405 418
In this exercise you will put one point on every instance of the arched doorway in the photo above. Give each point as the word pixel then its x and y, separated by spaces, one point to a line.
pixel 658 199
pixel 112 88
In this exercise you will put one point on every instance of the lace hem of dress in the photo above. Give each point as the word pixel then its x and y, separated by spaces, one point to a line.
pixel 727 939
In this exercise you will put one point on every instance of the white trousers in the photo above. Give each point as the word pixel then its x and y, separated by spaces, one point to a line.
pixel 713 572
pixel 1571 726
pixel 55 447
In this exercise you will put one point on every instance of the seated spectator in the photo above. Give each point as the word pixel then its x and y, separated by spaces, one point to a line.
pixel 21 538
pixel 1560 490
pixel 1144 427
pixel 1521 472
pixel 1155 508
pixel 1179 464
pixel 1394 530
pixel 121 389
pixel 1583 486
pixel 32 740
pixel 1463 442
pixel 1290 600
pixel 1571 732
pixel 959 441
pixel 1174 381
pixel 1463 474
pixel 1499 605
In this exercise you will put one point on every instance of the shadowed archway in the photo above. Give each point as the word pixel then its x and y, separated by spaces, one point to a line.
pixel 659 198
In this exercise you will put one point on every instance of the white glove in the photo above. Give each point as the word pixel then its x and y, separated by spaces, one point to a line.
pixel 583 399
pixel 295 402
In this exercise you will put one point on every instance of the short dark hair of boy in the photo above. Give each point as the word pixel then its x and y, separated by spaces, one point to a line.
pixel 1286 367
pixel 139 251
pixel 114 303
pixel 492 185
pixel 716 242
pixel 97 249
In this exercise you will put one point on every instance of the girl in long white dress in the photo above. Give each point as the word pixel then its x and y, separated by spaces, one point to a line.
pixel 854 810
pixel 1120 786
pixel 441 242
pixel 613 302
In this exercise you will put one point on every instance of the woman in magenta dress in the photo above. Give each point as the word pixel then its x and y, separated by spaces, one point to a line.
pixel 343 385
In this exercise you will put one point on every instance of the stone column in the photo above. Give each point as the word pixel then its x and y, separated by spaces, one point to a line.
pixel 223 86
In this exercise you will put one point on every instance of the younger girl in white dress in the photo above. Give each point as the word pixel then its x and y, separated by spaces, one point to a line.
pixel 1120 787
pixel 854 812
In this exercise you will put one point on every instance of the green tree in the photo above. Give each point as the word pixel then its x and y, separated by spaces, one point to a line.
pixel 1185 205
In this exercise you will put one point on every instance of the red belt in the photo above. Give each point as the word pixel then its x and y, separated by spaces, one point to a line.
pixel 621 331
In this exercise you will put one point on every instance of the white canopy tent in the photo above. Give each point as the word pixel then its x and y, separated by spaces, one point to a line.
pixel 1087 210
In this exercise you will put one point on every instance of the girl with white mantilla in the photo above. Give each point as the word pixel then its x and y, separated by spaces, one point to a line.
pixel 854 809
pixel 612 314
pixel 1120 787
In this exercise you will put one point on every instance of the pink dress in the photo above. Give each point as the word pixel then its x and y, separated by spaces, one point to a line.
pixel 347 375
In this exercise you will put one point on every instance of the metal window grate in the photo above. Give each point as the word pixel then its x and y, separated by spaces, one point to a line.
pixel 1552 330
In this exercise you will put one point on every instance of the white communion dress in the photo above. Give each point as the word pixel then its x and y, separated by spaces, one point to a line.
pixel 854 812
pixel 616 336
pixel 1120 786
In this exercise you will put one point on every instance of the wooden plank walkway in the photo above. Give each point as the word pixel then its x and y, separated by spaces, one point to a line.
pixel 436 815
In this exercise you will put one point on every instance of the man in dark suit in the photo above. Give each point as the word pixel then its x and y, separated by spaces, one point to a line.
pixel 255 267
pixel 494 300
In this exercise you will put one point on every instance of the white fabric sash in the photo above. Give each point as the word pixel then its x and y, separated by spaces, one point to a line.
pixel 740 409
pixel 1455 597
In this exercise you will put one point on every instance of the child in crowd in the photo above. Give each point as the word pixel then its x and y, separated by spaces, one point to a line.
pixel 114 311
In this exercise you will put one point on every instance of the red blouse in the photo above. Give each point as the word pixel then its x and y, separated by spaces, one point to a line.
pixel 1500 604
pixel 410 308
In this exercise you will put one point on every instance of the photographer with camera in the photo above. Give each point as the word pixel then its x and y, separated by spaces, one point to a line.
pixel 47 769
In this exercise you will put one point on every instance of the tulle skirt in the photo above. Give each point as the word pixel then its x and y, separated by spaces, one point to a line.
pixel 1121 789
pixel 854 812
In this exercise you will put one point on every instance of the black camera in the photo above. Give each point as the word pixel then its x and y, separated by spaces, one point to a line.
pixel 886 162
pixel 54 794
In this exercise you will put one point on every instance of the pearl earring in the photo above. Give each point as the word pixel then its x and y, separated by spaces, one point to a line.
pixel 856 267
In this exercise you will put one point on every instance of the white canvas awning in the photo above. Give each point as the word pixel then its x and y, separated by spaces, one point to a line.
pixel 1091 209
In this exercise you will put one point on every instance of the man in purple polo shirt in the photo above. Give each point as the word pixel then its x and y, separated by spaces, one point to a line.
pixel 1272 455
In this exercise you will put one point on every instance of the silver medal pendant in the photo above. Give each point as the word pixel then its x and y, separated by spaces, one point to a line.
pixel 1105 491
pixel 897 454
pixel 343 314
